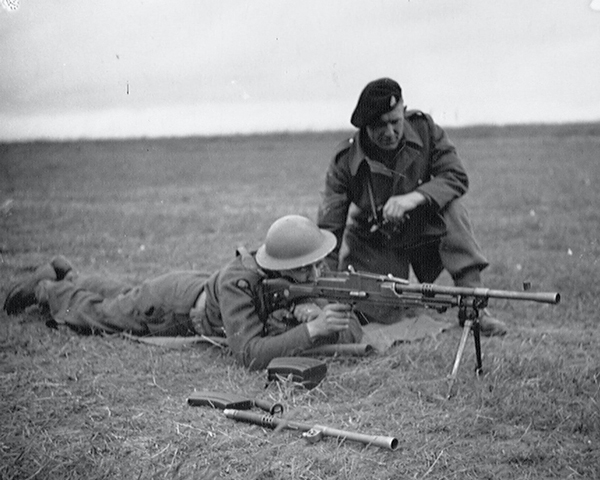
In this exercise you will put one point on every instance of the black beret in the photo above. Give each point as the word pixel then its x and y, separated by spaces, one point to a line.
pixel 378 97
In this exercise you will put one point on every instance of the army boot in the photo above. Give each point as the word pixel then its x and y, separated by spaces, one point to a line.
pixel 490 326
pixel 22 294
pixel 63 268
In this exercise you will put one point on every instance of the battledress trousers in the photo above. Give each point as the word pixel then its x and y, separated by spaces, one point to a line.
pixel 160 306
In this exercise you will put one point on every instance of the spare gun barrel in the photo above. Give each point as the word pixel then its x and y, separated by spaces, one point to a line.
pixel 270 421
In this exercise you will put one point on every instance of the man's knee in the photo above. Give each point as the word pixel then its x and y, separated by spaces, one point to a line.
pixel 459 250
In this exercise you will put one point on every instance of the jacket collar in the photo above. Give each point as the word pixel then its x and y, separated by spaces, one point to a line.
pixel 358 155
pixel 248 259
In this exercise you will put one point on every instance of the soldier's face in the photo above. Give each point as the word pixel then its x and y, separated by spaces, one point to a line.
pixel 305 274
pixel 386 132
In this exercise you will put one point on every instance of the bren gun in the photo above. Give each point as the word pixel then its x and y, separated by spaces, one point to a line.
pixel 385 290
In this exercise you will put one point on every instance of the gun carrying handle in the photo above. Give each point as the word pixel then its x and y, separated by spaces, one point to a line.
pixel 267 406
pixel 313 435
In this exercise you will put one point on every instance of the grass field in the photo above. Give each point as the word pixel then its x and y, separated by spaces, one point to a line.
pixel 104 407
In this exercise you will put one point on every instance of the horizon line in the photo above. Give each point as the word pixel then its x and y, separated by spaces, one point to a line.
pixel 283 132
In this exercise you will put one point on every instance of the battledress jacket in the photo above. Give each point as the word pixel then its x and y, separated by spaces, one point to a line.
pixel 426 162
pixel 233 307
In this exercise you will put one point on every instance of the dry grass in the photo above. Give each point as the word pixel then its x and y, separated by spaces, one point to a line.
pixel 105 407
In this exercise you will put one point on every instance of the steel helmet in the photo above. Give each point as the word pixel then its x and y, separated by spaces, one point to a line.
pixel 292 242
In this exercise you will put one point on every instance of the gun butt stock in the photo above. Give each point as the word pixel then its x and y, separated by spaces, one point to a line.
pixel 224 401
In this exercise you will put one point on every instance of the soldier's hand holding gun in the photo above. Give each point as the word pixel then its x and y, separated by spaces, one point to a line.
pixel 334 317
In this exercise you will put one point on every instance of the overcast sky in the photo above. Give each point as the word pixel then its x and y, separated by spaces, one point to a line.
pixel 104 68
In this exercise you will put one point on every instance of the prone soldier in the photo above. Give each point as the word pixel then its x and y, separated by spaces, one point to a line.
pixel 226 304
